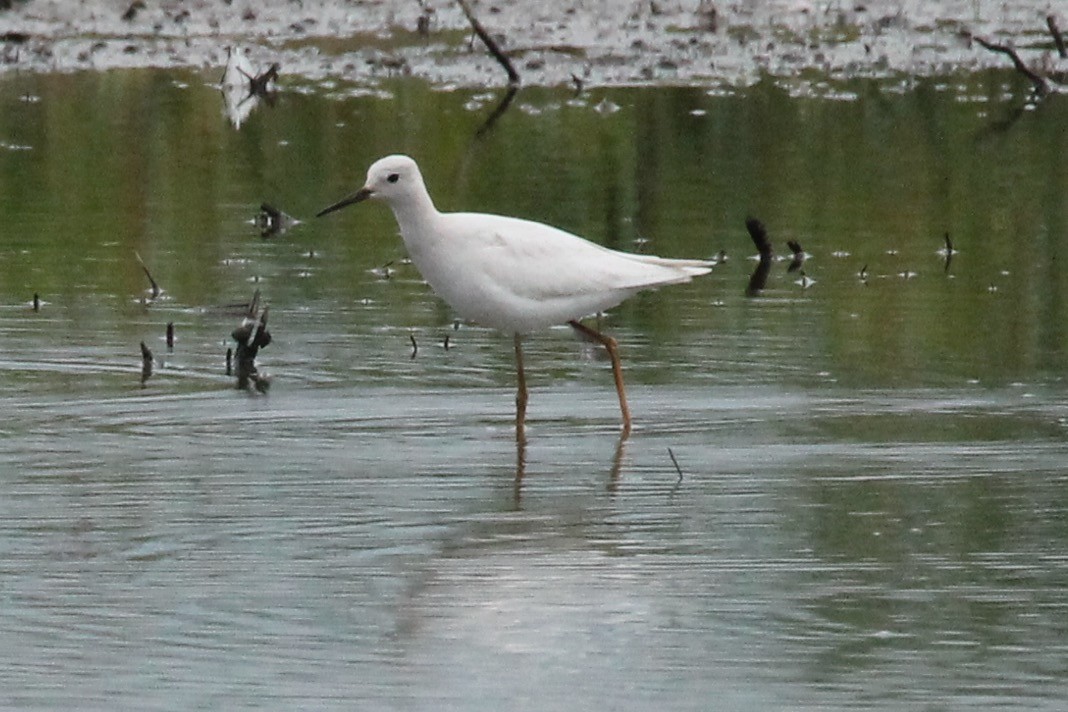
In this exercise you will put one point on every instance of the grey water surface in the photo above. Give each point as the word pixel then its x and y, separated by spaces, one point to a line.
pixel 870 508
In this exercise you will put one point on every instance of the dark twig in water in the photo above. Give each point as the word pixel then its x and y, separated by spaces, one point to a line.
pixel 799 255
pixel 759 278
pixel 1039 82
pixel 1058 38
pixel 415 346
pixel 155 287
pixel 271 221
pixel 385 271
pixel 491 44
pixel 36 302
pixel 259 85
pixel 229 361
pixel 759 234
pixel 675 462
pixel 253 305
pixel 146 363
pixel 251 336
pixel 170 336
pixel 260 336
pixel 948 252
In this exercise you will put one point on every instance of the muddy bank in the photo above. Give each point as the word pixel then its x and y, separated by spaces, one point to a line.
pixel 601 42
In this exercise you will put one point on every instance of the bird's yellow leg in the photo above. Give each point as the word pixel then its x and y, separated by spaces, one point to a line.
pixel 612 347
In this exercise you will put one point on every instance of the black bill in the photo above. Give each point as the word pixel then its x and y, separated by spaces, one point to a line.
pixel 360 195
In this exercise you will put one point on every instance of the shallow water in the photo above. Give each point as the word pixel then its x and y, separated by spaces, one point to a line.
pixel 869 507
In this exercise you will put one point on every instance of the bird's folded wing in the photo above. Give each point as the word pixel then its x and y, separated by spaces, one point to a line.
pixel 541 262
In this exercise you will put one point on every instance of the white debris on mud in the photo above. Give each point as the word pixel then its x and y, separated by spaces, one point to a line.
pixel 600 42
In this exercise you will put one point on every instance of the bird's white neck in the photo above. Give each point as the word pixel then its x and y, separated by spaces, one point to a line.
pixel 415 216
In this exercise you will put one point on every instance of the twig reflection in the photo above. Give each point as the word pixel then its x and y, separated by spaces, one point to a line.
pixel 759 278
pixel 498 111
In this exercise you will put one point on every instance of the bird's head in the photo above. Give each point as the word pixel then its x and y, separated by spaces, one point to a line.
pixel 391 179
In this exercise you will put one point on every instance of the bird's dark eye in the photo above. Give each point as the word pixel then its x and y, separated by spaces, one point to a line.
pixel 393 177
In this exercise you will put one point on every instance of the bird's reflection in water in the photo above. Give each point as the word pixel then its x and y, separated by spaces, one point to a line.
pixel 521 467
pixel 243 88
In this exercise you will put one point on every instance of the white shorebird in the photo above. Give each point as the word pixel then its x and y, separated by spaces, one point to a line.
pixel 512 274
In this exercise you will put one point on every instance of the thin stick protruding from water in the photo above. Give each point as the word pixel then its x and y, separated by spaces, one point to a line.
pixel 491 44
pixel 146 363
pixel 155 287
pixel 675 462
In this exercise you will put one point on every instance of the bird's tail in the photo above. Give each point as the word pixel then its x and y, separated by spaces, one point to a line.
pixel 684 270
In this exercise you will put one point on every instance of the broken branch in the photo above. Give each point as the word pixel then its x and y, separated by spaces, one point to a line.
pixel 1058 38
pixel 491 44
pixel 146 363
pixel 251 336
pixel 1037 80
pixel 155 287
